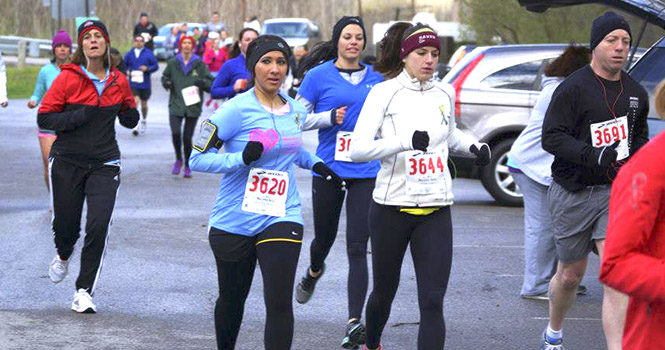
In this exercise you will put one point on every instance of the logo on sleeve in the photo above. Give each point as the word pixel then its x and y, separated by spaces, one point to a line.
pixel 634 102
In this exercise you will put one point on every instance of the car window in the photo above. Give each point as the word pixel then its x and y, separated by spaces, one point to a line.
pixel 164 30
pixel 649 72
pixel 286 29
pixel 518 77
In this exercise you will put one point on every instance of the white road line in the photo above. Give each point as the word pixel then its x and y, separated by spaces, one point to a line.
pixel 570 318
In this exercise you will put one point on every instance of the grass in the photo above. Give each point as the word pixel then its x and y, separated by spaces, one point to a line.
pixel 21 81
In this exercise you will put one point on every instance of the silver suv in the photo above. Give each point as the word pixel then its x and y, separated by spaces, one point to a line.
pixel 495 89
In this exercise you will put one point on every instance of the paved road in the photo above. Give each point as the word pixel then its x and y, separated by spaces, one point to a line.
pixel 158 286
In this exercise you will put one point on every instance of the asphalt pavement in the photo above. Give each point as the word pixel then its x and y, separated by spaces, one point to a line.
pixel 158 285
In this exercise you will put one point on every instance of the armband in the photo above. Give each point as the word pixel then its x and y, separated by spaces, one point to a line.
pixel 207 137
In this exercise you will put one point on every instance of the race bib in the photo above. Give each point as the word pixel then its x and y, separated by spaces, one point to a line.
pixel 424 172
pixel 146 37
pixel 342 146
pixel 266 192
pixel 608 132
pixel 136 76
pixel 191 95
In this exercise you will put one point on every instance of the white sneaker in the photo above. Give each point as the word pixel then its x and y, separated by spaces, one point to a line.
pixel 143 125
pixel 57 270
pixel 83 303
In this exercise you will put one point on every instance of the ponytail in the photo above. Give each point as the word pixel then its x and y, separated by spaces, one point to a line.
pixel 389 64
pixel 321 52
pixel 235 51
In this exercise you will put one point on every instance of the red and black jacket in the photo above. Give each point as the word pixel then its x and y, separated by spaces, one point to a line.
pixel 83 120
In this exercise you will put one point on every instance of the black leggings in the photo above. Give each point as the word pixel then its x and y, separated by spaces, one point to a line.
pixel 431 240
pixel 277 249
pixel 184 137
pixel 327 200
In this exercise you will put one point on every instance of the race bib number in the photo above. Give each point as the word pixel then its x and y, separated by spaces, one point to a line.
pixel 608 132
pixel 136 76
pixel 146 37
pixel 424 172
pixel 266 192
pixel 191 95
pixel 342 146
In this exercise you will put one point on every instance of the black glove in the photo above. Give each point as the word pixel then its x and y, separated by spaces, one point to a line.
pixel 252 151
pixel 420 140
pixel 607 156
pixel 129 118
pixel 482 155
pixel 327 173
pixel 167 84
pixel 200 83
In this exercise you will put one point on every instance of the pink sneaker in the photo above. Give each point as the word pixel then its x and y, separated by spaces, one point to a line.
pixel 188 172
pixel 176 167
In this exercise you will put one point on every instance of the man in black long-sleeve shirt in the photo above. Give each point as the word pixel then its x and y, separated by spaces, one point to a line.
pixel 595 122
pixel 147 30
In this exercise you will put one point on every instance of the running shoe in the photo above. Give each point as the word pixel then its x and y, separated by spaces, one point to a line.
pixel 83 302
pixel 305 288
pixel 143 125
pixel 581 290
pixel 546 344
pixel 57 270
pixel 176 167
pixel 355 336
pixel 188 172
pixel 135 131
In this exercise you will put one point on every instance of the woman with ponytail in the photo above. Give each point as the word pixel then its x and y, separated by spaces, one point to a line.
pixel 406 123
pixel 333 91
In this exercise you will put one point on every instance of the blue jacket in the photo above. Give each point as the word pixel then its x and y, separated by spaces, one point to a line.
pixel 231 71
pixel 237 121
pixel 146 58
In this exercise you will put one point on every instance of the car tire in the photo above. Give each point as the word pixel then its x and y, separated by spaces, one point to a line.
pixel 496 178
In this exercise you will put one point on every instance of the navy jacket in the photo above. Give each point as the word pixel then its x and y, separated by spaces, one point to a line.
pixel 231 71
pixel 146 58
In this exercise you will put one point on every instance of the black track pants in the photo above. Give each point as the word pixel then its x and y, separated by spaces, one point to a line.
pixel 71 185
pixel 277 250
pixel 327 200
pixel 430 237
pixel 182 137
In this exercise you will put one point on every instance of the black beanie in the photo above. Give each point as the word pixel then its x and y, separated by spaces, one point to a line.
pixel 345 21
pixel 604 25
pixel 261 46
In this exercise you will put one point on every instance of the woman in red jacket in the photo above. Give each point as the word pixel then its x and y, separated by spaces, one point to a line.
pixel 81 106
pixel 634 259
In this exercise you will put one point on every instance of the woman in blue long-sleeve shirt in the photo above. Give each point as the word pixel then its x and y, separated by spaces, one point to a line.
pixel 233 78
pixel 257 214
pixel 62 49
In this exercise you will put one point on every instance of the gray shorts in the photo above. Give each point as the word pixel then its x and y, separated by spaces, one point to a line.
pixel 578 219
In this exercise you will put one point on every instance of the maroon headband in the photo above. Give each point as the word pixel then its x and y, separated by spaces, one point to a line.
pixel 420 38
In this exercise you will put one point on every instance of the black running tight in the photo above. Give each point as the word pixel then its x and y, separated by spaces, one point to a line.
pixel 327 200
pixel 182 136
pixel 276 249
pixel 430 237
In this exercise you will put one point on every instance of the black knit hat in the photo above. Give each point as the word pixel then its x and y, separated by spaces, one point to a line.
pixel 605 24
pixel 261 46
pixel 345 21
pixel 92 24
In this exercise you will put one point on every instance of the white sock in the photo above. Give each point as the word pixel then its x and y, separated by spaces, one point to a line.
pixel 552 334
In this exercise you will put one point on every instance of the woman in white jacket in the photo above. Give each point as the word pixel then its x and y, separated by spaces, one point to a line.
pixel 406 123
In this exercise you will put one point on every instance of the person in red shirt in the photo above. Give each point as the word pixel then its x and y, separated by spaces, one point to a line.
pixel 634 259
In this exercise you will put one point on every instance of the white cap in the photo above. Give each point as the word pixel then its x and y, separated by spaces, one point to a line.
pixel 213 35
pixel 228 41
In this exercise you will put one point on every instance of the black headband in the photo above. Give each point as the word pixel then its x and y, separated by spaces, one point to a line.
pixel 345 21
pixel 261 46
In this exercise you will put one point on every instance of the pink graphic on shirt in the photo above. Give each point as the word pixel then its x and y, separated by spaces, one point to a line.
pixel 268 138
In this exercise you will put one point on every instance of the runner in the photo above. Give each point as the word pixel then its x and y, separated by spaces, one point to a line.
pixel 531 166
pixel 140 63
pixel 215 57
pixel 334 89
pixel 81 106
pixel 595 121
pixel 61 44
pixel 257 214
pixel 406 123
pixel 187 77
pixel 146 29
pixel 233 78
pixel 633 259
pixel 3 83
